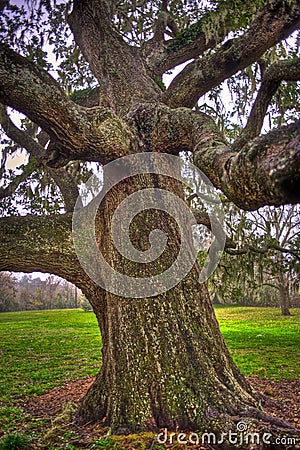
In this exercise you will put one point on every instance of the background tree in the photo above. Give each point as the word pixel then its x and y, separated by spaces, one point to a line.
pixel 25 293
pixel 164 362
pixel 7 293
pixel 262 268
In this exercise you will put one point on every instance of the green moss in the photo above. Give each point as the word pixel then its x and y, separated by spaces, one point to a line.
pixel 160 83
pixel 80 94
pixel 185 37
pixel 14 441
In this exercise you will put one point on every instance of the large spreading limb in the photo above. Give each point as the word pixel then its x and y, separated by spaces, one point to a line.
pixel 78 133
pixel 61 176
pixel 288 70
pixel 264 172
pixel 44 244
pixel 275 22
pixel 187 44
pixel 38 243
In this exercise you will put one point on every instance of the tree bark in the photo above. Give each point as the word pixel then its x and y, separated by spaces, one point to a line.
pixel 164 361
pixel 274 23
pixel 284 300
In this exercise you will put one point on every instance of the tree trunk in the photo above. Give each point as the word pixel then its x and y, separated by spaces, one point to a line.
pixel 164 361
pixel 165 364
pixel 284 296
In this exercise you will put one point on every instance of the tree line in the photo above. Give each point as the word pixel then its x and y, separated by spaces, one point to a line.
pixel 28 293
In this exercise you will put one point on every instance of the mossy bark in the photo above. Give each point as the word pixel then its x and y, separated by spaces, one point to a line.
pixel 164 361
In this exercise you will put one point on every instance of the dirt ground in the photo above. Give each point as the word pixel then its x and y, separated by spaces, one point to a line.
pixel 283 402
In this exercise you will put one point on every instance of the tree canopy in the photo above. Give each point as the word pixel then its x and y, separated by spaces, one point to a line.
pixel 252 45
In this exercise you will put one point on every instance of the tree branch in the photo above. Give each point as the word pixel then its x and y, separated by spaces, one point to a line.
pixel 274 23
pixel 262 250
pixel 38 243
pixel 62 178
pixel 288 70
pixel 76 131
pixel 163 21
pixel 203 218
pixel 265 172
pixel 118 67
pixel 188 44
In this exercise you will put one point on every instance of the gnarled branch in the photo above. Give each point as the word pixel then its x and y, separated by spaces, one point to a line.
pixel 265 172
pixel 78 133
pixel 274 23
pixel 118 67
pixel 43 244
pixel 38 243
pixel 187 44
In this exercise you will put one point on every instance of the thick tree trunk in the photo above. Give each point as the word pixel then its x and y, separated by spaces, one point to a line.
pixel 164 361
pixel 165 364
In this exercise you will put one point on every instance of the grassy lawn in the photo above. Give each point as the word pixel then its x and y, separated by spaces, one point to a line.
pixel 43 349
pixel 261 341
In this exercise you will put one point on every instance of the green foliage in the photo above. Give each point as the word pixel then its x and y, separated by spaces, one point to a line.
pixel 135 19
pixel 218 19
pixel 107 443
pixel 31 27
pixel 14 441
pixel 185 37
pixel 79 94
pixel 160 83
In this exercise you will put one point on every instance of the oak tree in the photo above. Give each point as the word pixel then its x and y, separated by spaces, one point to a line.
pixel 164 361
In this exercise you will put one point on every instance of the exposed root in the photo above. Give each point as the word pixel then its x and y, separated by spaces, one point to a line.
pixel 252 430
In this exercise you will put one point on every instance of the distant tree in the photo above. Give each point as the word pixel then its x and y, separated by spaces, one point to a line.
pixel 53 292
pixel 265 259
pixel 8 301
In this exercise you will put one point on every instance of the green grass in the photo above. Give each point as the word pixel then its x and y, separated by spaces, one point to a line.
pixel 14 441
pixel 43 349
pixel 262 341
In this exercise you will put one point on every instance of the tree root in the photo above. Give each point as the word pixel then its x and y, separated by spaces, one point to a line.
pixel 251 430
